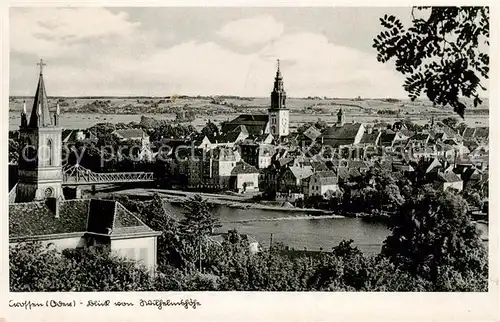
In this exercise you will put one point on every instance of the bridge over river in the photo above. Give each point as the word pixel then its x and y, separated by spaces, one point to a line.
pixel 77 175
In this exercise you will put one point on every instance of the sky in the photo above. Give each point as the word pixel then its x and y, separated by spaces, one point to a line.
pixel 201 51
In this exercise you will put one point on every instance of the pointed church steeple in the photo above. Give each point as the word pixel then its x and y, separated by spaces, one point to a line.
pixel 40 115
pixel 278 95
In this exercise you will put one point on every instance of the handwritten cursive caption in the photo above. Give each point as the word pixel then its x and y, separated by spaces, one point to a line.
pixel 158 304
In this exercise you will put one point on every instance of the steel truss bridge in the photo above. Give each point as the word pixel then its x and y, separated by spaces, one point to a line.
pixel 78 175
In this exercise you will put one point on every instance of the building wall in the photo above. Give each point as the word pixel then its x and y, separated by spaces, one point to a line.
pixel 264 161
pixel 284 120
pixel 359 135
pixel 225 167
pixel 455 185
pixel 36 177
pixel 252 178
pixel 280 121
pixel 288 182
pixel 325 188
pixel 139 249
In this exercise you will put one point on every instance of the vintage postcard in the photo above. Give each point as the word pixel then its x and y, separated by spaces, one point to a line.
pixel 268 162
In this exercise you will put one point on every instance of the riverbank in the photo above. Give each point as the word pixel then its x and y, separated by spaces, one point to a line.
pixel 231 201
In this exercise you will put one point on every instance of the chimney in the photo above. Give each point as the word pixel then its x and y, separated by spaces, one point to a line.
pixel 369 129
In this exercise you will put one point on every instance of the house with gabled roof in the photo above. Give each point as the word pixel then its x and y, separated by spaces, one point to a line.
pixel 389 139
pixel 83 223
pixel 255 124
pixel 341 135
pixel 321 182
pixel 309 136
pixel 292 178
pixel 449 179
pixel 244 178
pixel 476 133
pixel 235 135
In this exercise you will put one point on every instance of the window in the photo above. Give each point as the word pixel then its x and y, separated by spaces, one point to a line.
pixel 130 253
pixel 49 151
pixel 143 255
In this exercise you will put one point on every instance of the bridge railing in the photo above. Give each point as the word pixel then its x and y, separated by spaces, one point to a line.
pixel 78 174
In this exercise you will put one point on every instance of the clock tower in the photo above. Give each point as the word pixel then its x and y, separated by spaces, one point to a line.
pixel 40 164
pixel 279 121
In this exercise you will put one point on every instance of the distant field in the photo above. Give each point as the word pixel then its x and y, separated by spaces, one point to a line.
pixel 84 112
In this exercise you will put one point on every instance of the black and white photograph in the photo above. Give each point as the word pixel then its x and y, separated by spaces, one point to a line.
pixel 271 149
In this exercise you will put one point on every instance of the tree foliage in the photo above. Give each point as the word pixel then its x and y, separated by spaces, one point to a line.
pixel 36 268
pixel 444 54
pixel 210 131
pixel 431 234
pixel 433 247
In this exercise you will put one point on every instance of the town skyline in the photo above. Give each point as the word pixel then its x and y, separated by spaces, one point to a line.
pixel 226 55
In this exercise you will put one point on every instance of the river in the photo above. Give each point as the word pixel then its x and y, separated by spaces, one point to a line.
pixel 296 230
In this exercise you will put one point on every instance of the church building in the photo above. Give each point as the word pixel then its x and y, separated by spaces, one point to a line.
pixel 38 210
pixel 276 122
pixel 40 159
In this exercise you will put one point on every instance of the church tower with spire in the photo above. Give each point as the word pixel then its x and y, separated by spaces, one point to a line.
pixel 279 120
pixel 40 164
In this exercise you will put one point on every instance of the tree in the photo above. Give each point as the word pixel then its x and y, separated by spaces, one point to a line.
pixel 432 233
pixel 148 122
pixel 443 53
pixel 199 220
pixel 169 248
pixel 38 268
pixel 198 223
pixel 210 131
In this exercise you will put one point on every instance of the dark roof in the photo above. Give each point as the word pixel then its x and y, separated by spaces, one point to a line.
pixel 387 137
pixel 232 136
pixel 439 136
pixel 242 168
pixel 469 132
pixel 357 164
pixel 319 166
pixel 420 137
pixel 254 123
pixel 130 133
pixel 81 216
pixel 441 127
pixel 449 177
pixel 36 218
pixel 312 133
pixel 398 166
pixel 387 165
pixel 40 99
pixel 301 172
pixel 370 138
pixel 407 132
pixel 285 161
pixel 344 173
pixel 482 132
pixel 341 135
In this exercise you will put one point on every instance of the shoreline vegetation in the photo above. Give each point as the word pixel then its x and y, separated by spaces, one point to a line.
pixel 179 197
